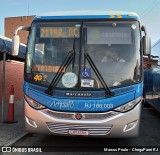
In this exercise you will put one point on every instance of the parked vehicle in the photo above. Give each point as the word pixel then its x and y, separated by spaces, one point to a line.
pixel 152 77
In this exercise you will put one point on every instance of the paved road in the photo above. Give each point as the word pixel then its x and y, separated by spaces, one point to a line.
pixel 149 136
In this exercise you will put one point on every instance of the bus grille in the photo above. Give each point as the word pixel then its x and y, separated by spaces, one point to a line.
pixel 87 116
pixel 64 128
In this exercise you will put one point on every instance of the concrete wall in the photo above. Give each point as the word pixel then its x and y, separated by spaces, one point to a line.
pixel 14 76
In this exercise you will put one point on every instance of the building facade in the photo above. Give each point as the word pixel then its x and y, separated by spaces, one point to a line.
pixel 14 69
pixel 13 76
pixel 11 23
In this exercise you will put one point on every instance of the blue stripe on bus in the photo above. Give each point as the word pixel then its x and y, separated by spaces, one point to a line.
pixel 96 104
pixel 94 94
pixel 83 17
pixel 79 105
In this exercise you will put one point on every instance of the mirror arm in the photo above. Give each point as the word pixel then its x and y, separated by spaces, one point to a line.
pixel 26 28
pixel 143 28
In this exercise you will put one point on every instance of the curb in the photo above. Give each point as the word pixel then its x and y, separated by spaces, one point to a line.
pixel 16 139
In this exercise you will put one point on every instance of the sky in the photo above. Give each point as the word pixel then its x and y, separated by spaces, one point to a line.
pixel 148 10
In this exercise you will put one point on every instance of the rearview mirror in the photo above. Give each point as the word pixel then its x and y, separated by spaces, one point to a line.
pixel 15 45
pixel 146 45
pixel 15 39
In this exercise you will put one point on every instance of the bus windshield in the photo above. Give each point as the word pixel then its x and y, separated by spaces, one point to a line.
pixel 113 46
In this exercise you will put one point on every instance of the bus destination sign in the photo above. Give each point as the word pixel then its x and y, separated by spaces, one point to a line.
pixel 59 32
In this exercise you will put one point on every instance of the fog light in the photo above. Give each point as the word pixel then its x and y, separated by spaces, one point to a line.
pixel 130 126
pixel 31 122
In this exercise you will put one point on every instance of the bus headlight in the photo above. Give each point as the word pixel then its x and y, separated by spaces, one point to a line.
pixel 128 106
pixel 33 103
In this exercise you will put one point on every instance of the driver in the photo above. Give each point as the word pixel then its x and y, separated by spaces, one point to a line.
pixel 112 56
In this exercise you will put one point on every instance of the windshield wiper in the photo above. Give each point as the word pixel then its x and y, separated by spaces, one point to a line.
pixel 70 57
pixel 108 91
pixel 95 69
pixel 60 72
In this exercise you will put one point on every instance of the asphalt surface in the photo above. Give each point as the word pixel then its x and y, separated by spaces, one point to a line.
pixel 11 132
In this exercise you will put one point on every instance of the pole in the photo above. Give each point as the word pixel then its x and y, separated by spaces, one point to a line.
pixel 3 84
pixel 3 79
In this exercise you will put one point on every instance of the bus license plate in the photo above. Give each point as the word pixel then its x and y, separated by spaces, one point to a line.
pixel 78 132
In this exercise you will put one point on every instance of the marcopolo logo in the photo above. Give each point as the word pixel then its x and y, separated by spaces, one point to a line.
pixel 80 94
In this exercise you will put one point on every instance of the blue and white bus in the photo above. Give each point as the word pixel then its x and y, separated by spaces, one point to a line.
pixel 83 73
pixel 152 77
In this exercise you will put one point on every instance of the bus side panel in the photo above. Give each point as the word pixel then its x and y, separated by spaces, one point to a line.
pixel 156 89
pixel 148 84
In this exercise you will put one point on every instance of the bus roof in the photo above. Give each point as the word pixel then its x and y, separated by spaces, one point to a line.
pixel 87 15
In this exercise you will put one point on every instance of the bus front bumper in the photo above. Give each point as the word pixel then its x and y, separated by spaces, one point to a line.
pixel 114 125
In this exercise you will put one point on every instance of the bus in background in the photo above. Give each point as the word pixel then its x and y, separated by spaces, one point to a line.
pixel 6 46
pixel 83 73
pixel 152 77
